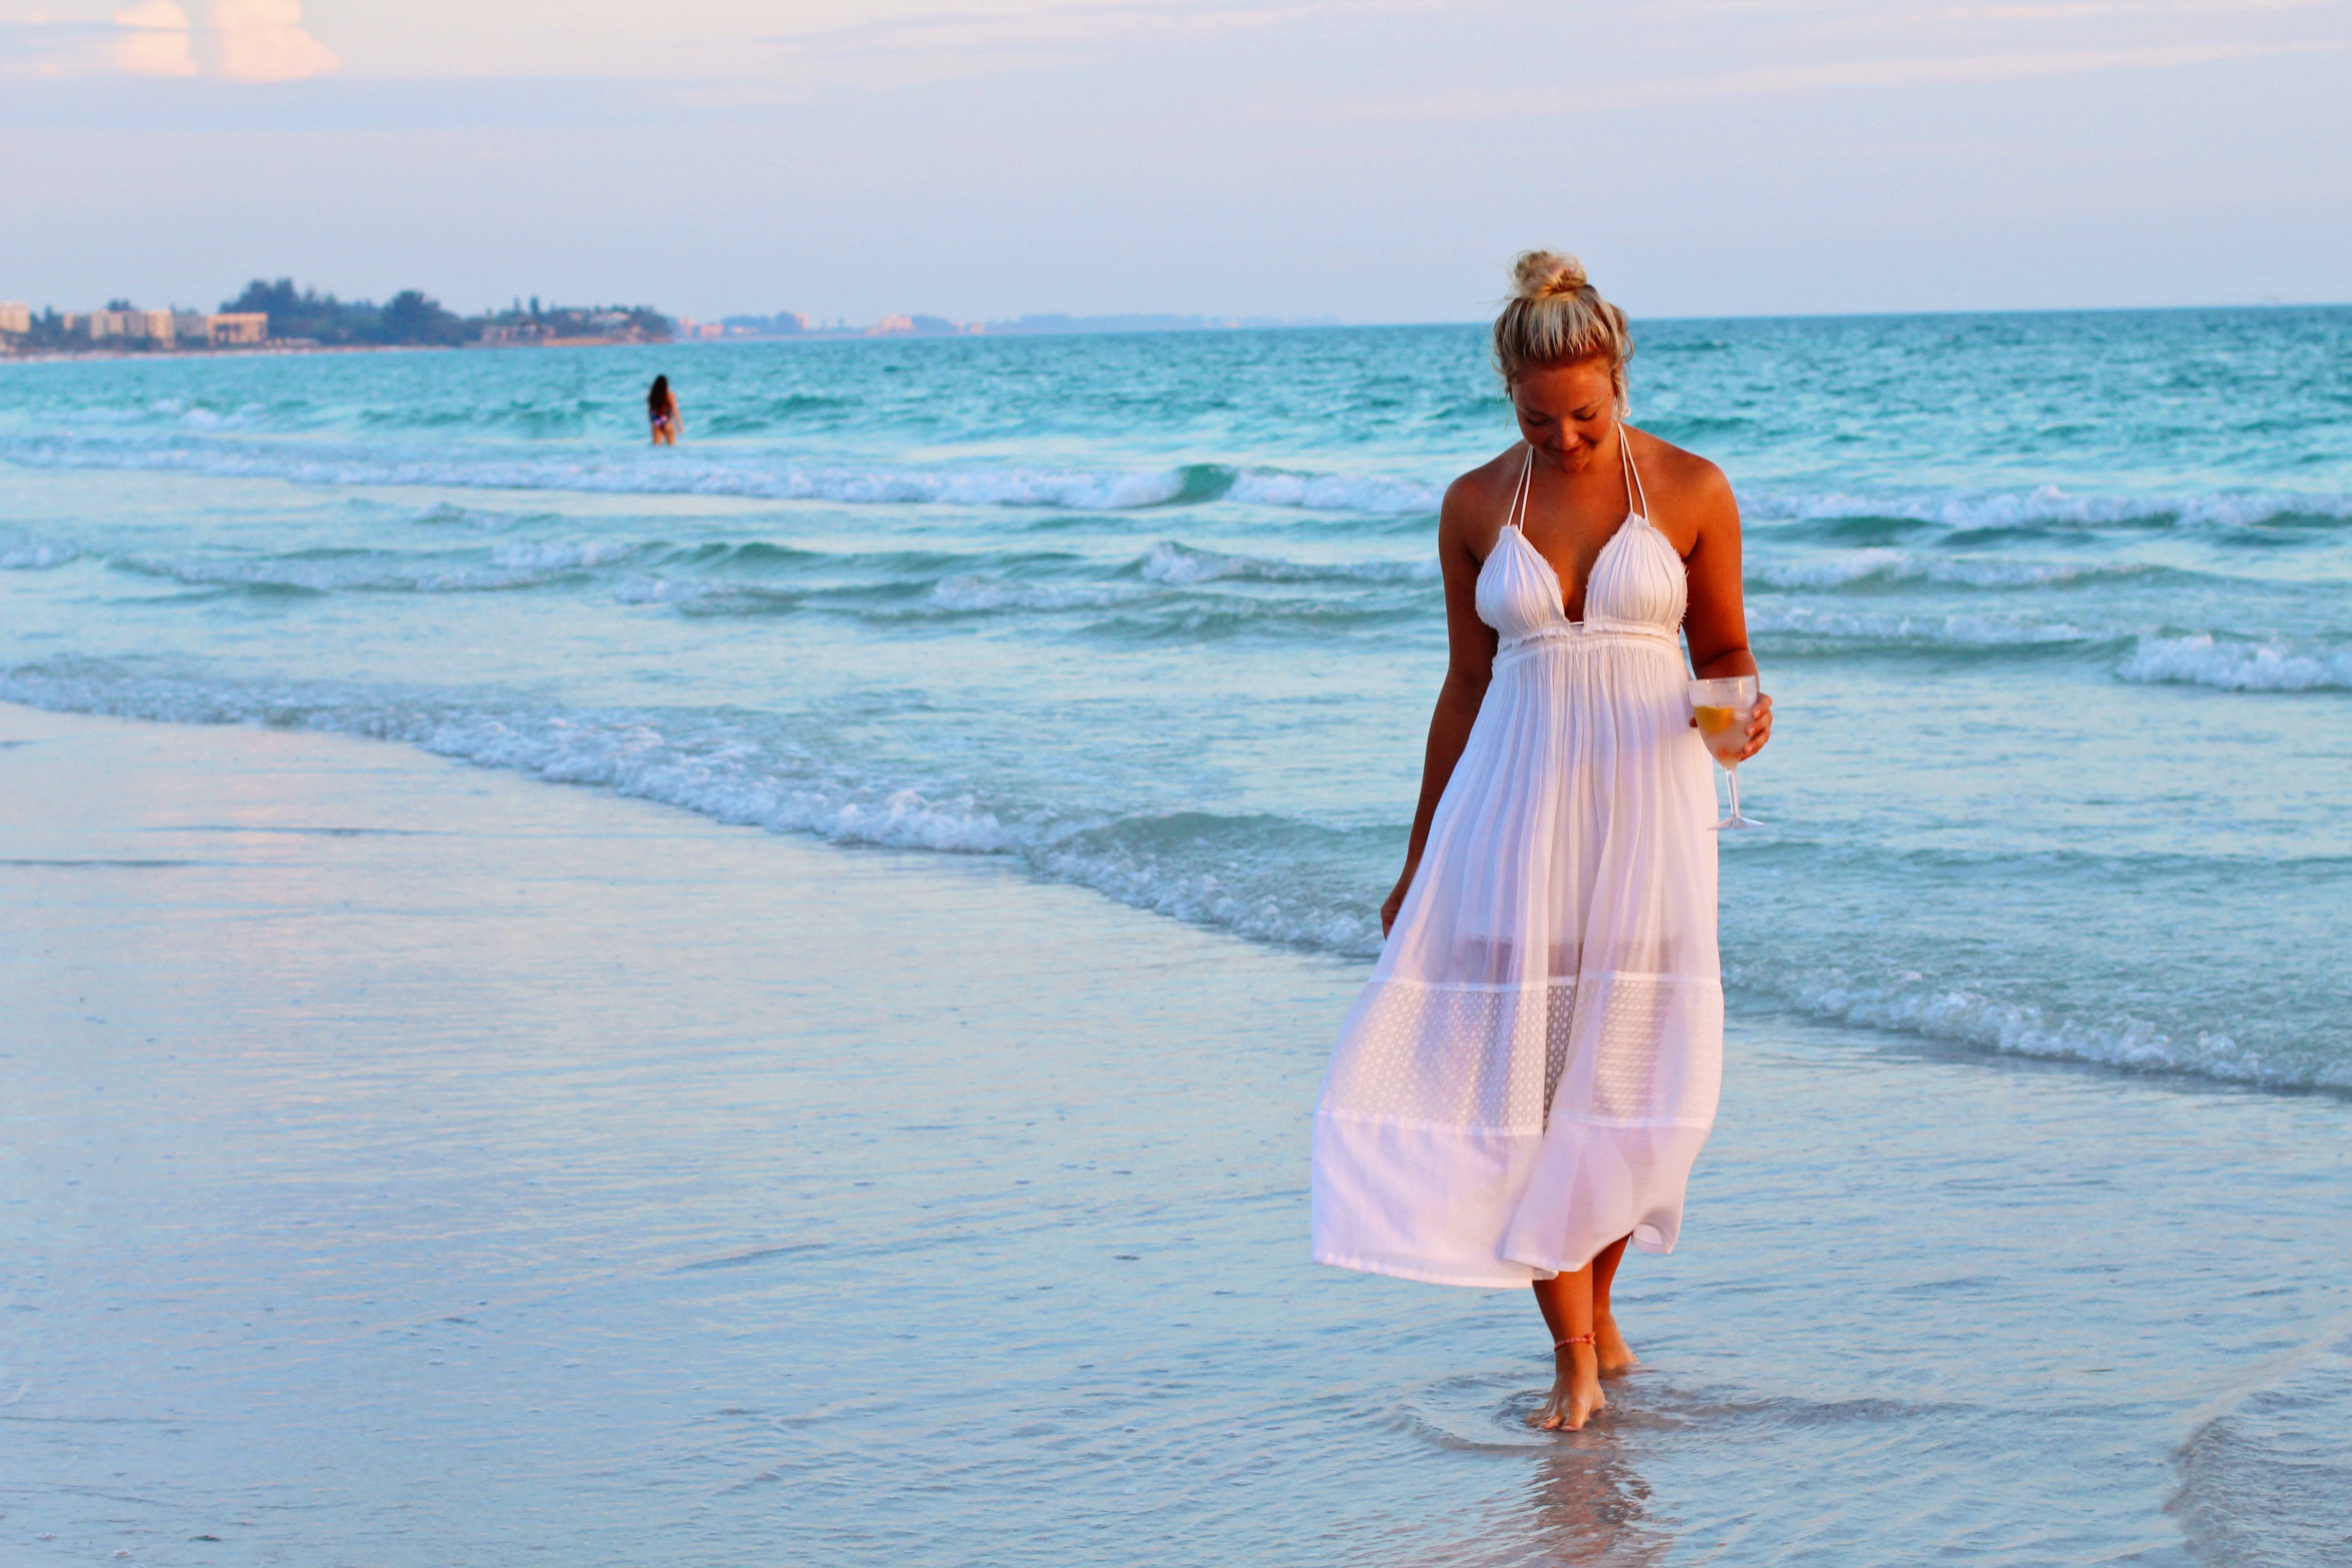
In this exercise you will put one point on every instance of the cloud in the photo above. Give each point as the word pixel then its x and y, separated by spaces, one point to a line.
pixel 1668 92
pixel 264 40
pixel 2072 10
pixel 154 40
pixel 895 43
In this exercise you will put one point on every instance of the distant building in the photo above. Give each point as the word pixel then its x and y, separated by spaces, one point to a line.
pixel 15 316
pixel 782 324
pixel 516 334
pixel 918 325
pixel 238 327
pixel 150 325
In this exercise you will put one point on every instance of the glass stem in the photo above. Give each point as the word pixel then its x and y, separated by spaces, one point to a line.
pixel 1732 774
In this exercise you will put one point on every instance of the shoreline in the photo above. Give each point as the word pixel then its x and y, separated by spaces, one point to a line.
pixel 407 1130
pixel 536 764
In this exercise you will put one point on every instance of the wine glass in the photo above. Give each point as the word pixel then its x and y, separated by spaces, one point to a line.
pixel 1723 708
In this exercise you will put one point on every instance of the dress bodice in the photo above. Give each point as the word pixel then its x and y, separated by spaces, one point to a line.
pixel 1637 584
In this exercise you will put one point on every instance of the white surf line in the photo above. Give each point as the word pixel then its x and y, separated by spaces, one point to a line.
pixel 2264 1372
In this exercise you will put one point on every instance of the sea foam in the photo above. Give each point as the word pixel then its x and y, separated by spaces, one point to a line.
pixel 1974 1015
pixel 509 566
pixel 1182 564
pixel 746 475
pixel 2044 505
pixel 1914 631
pixel 1264 877
pixel 2236 666
pixel 1882 566
pixel 220 448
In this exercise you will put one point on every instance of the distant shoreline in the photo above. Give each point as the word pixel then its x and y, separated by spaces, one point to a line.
pixel 858 335
pixel 272 351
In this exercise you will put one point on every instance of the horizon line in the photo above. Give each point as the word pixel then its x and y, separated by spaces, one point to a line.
pixel 1276 324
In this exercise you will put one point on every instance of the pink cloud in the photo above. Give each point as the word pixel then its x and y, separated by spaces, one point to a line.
pixel 154 40
pixel 264 40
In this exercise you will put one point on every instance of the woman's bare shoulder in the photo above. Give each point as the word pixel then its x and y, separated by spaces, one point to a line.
pixel 1683 487
pixel 1668 466
pixel 1476 503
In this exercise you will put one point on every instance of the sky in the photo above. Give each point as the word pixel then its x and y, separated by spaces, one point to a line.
pixel 1369 160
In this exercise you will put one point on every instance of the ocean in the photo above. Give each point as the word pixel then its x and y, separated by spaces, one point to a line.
pixel 2052 608
pixel 2036 1007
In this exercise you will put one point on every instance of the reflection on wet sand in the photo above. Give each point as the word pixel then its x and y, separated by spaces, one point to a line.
pixel 1587 1505
pixel 1580 1501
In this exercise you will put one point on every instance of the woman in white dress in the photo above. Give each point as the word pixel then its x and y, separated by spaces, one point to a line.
pixel 1525 1081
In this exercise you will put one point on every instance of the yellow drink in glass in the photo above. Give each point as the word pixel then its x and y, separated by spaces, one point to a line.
pixel 1722 708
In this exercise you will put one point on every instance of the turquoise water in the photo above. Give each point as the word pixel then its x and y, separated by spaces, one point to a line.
pixel 514 1212
pixel 2053 607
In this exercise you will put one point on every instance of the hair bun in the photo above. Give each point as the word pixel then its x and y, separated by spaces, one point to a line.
pixel 1546 274
pixel 1555 316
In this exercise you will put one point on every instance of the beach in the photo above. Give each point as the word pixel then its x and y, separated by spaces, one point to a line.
pixel 762 1000
pixel 410 1163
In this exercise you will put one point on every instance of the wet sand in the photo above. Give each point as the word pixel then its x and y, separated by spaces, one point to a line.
pixel 405 1162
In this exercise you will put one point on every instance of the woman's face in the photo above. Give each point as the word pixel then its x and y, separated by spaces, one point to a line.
pixel 1566 411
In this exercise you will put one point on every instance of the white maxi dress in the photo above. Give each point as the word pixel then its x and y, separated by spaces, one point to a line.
pixel 1534 1063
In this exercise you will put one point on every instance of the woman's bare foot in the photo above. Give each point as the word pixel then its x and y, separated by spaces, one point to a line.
pixel 1617 1357
pixel 1575 1391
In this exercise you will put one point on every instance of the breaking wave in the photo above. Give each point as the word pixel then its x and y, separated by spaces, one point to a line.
pixel 719 470
pixel 2233 665
pixel 2049 504
pixel 325 571
pixel 1264 877
pixel 1882 567
pixel 601 470
pixel 1184 564
pixel 1803 624
pixel 1974 1015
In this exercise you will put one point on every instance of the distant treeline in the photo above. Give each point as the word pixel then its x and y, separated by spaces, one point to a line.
pixel 300 316
pixel 411 316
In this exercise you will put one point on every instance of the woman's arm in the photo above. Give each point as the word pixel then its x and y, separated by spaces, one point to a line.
pixel 1716 622
pixel 1469 666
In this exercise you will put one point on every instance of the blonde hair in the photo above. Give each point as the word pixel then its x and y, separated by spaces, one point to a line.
pixel 1555 316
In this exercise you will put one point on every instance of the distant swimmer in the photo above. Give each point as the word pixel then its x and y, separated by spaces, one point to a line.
pixel 662 409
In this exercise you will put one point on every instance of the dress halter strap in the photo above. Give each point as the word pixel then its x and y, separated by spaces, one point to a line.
pixel 1517 516
pixel 1634 497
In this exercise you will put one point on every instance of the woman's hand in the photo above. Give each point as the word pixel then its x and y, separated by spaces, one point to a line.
pixel 1393 902
pixel 1759 727
pixel 1759 730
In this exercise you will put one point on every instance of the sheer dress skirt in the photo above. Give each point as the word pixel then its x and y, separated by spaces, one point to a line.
pixel 1534 1063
